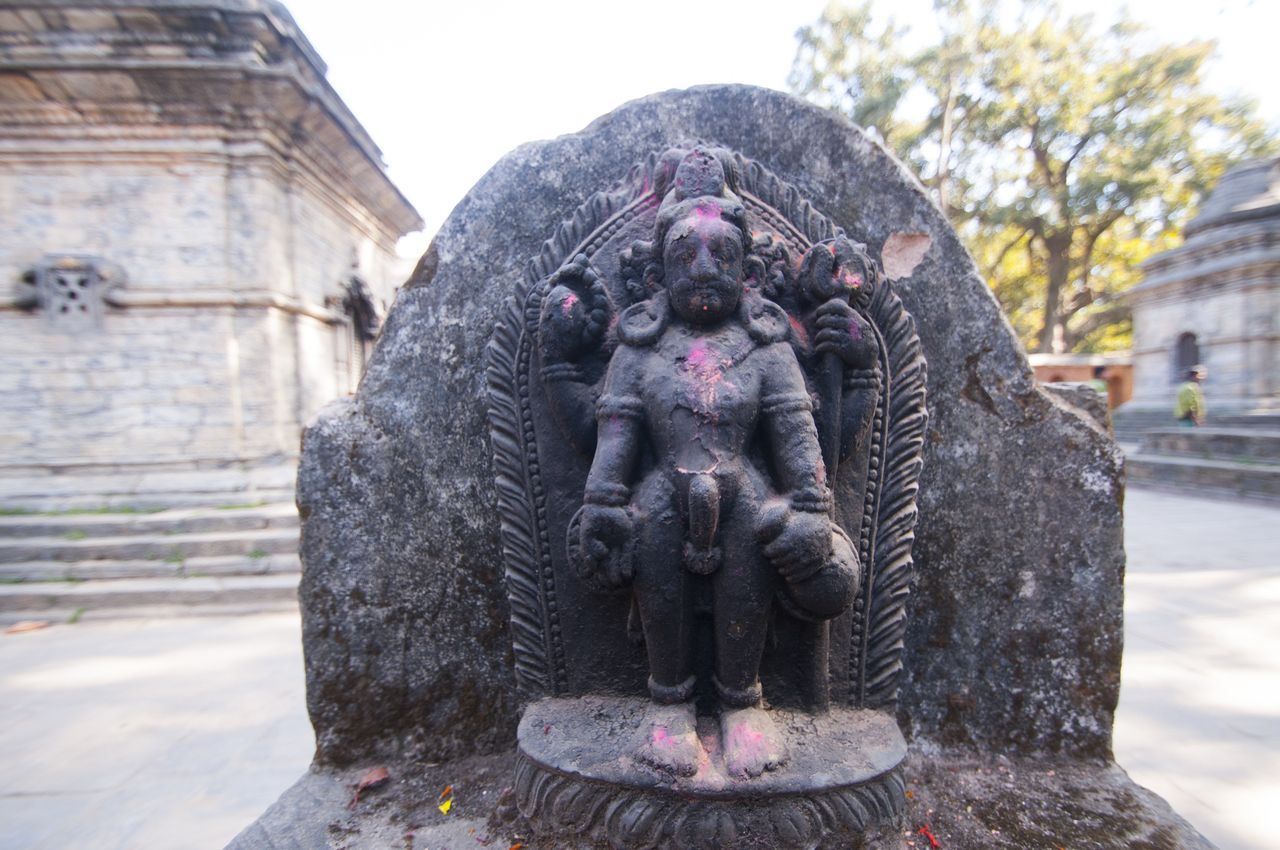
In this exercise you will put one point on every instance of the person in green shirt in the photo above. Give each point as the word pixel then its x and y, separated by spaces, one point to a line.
pixel 1099 382
pixel 1189 407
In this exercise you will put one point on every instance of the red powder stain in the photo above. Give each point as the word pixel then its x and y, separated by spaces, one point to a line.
pixel 708 371
pixel 928 833
pixel 662 738
pixel 747 741
pixel 567 305
pixel 800 332
pixel 699 354
pixel 854 330
pixel 852 281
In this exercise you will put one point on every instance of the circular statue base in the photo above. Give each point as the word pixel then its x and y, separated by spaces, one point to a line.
pixel 578 776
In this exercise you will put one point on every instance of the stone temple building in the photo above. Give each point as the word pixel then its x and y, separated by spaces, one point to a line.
pixel 198 240
pixel 1215 300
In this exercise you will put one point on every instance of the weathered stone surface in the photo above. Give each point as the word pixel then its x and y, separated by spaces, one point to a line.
pixel 405 619
pixel 1015 634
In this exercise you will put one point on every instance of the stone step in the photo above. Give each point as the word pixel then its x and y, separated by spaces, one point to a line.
pixel 142 487
pixel 1269 421
pixel 171 547
pixel 1129 423
pixel 215 565
pixel 174 521
pixel 1219 443
pixel 1253 481
pixel 43 597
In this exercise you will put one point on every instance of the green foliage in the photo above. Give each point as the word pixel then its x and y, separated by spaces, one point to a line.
pixel 1064 154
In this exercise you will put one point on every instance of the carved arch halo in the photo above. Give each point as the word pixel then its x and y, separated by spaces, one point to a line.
pixel 616 217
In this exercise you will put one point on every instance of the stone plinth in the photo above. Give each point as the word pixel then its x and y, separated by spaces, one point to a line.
pixel 576 775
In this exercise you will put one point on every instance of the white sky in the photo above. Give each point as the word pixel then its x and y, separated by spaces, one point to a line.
pixel 447 88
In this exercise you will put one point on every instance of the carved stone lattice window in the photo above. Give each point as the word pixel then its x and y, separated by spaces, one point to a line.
pixel 71 290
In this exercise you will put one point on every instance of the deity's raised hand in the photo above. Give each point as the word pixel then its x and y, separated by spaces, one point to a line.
pixel 574 314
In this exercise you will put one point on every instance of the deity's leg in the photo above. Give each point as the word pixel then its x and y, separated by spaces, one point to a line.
pixel 743 590
pixel 664 597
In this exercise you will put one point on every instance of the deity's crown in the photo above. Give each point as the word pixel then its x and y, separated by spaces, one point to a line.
pixel 700 182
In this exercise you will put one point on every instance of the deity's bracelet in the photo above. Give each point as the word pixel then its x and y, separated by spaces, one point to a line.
pixel 562 372
pixel 861 379
pixel 811 500
pixel 607 495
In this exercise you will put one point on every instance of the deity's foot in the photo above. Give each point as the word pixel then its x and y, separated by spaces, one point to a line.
pixel 752 744
pixel 673 744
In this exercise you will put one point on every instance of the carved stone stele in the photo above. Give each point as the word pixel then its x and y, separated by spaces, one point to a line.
pixel 707 412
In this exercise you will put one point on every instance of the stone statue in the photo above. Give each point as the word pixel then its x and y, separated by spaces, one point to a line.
pixel 697 394
pixel 704 374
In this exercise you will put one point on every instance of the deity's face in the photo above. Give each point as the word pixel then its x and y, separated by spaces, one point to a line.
pixel 702 267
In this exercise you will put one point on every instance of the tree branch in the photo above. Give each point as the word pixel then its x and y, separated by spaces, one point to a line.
pixel 995 264
pixel 1110 315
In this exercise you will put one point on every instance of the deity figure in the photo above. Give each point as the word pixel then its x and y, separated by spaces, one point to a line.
pixel 708 491
pixel 707 410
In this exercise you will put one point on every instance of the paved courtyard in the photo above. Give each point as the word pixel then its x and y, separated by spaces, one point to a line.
pixel 1199 717
pixel 148 734
pixel 172 733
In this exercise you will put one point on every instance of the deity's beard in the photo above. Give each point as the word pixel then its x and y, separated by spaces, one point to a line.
pixel 705 302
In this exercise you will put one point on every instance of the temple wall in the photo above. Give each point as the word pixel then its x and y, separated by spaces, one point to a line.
pixel 231 336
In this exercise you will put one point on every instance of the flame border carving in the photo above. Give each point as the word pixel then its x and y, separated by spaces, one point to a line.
pixel 879 621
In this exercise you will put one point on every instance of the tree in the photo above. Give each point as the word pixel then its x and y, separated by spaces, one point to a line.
pixel 1063 154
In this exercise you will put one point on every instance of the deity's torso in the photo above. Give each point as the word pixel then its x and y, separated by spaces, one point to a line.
pixel 701 391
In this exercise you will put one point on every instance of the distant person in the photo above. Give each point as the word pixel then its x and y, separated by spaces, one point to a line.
pixel 1189 409
pixel 1099 382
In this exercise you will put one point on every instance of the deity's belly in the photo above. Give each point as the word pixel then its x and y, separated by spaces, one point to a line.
pixel 703 414
pixel 689 446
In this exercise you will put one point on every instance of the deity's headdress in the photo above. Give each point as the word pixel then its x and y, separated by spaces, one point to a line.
pixel 688 181
pixel 693 182
pixel 702 180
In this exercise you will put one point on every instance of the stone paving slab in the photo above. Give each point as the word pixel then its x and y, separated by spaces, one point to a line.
pixel 1199 714
pixel 148 734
